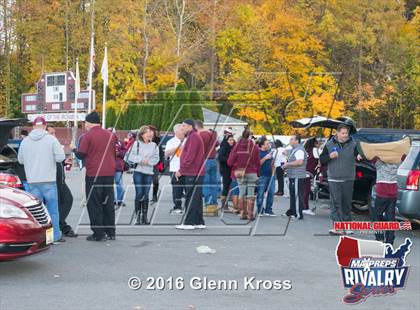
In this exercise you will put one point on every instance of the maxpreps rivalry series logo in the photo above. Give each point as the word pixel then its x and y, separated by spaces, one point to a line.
pixel 371 267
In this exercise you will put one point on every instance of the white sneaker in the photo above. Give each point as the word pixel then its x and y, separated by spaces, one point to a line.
pixel 270 214
pixel 176 211
pixel 200 226
pixel 335 232
pixel 185 227
pixel 308 212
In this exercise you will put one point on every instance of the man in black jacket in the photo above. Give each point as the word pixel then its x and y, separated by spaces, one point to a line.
pixel 65 197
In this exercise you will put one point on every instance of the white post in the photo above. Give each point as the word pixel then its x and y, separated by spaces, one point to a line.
pixel 90 74
pixel 76 97
pixel 104 107
pixel 91 52
pixel 76 92
pixel 104 73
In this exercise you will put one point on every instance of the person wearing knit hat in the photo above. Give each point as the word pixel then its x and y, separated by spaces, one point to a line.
pixel 93 118
pixel 189 122
pixel 97 149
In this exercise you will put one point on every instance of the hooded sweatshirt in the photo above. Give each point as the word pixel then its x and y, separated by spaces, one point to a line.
pixel 245 155
pixel 39 153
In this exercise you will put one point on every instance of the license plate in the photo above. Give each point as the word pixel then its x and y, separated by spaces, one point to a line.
pixel 49 236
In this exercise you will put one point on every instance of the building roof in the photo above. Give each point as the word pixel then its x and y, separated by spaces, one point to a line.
pixel 211 117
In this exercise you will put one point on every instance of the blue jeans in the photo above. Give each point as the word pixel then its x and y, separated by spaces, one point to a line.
pixel 47 192
pixel 119 188
pixel 234 188
pixel 142 183
pixel 265 184
pixel 210 183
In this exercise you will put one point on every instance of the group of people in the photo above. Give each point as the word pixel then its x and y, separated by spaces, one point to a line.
pixel 248 171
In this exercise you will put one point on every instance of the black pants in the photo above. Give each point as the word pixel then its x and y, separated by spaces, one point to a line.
pixel 296 189
pixel 100 205
pixel 155 182
pixel 226 179
pixel 280 179
pixel 177 191
pixel 384 210
pixel 65 202
pixel 193 200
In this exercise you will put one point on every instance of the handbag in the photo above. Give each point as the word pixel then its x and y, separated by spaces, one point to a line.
pixel 160 167
pixel 128 164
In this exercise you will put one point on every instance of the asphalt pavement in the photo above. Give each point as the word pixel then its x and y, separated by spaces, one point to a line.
pixel 275 263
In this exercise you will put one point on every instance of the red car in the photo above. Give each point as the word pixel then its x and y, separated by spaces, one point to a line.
pixel 25 226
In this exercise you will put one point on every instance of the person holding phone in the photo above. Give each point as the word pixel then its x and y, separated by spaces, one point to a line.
pixel 339 154
pixel 266 181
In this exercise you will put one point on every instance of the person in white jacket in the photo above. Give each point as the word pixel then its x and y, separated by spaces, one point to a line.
pixel 39 153
pixel 145 154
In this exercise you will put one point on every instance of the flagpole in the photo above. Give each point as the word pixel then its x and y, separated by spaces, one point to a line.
pixel 76 92
pixel 91 56
pixel 105 84
pixel 90 73
pixel 76 97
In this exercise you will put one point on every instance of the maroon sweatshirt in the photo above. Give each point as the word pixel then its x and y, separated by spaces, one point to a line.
pixel 210 143
pixel 245 154
pixel 98 148
pixel 192 156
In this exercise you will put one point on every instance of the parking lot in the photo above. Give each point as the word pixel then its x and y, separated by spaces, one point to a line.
pixel 88 275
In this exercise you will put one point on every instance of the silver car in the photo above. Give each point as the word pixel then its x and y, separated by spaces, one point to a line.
pixel 408 201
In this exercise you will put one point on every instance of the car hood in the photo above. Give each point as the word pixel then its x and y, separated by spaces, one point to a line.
pixel 16 197
pixel 6 125
pixel 323 122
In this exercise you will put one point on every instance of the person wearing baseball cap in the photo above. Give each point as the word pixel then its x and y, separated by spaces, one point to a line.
pixel 39 153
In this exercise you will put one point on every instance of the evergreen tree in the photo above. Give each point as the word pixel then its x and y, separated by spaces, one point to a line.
pixel 167 109
pixel 110 118
pixel 158 110
pixel 136 116
pixel 148 112
pixel 196 105
pixel 181 107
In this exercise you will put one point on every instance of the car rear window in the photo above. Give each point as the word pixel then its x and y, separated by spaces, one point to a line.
pixel 412 161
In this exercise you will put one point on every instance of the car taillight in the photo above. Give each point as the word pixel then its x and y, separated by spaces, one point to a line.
pixel 413 180
pixel 359 174
pixel 10 180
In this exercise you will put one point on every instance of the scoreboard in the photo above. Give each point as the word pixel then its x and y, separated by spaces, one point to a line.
pixel 55 93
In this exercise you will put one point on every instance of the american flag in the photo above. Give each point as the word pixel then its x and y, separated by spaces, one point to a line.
pixel 406 225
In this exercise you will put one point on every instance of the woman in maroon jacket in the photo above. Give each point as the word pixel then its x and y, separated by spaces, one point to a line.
pixel 120 151
pixel 244 160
